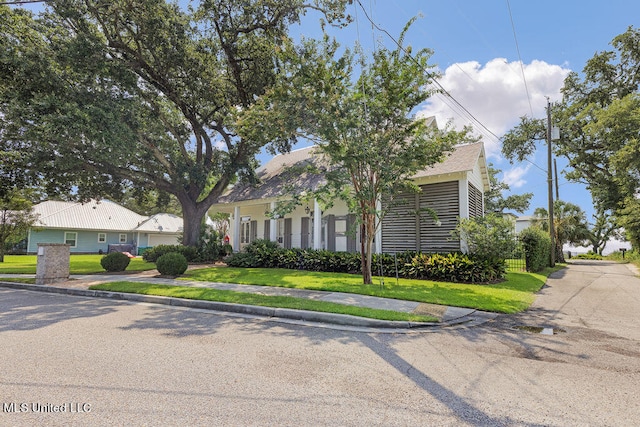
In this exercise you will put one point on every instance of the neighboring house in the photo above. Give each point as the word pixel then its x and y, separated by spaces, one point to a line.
pixel 525 221
pixel 95 226
pixel 454 189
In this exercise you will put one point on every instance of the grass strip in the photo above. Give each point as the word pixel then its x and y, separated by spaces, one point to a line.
pixel 209 294
pixel 78 264
pixel 511 296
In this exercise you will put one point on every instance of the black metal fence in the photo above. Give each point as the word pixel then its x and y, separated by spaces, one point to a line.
pixel 516 260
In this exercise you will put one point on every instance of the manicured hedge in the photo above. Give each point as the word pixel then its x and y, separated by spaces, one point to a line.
pixel 152 254
pixel 115 261
pixel 455 267
pixel 537 247
pixel 172 264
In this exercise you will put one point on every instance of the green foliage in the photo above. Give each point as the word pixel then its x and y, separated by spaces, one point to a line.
pixel 104 94
pixel 589 255
pixel 172 264
pixel 570 225
pixel 152 254
pixel 372 143
pixel 629 218
pixel 537 247
pixel 16 216
pixel 448 267
pixel 488 237
pixel 115 261
pixel 455 267
pixel 211 246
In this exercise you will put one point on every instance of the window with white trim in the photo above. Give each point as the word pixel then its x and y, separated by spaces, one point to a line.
pixel 102 237
pixel 123 238
pixel 245 232
pixel 71 238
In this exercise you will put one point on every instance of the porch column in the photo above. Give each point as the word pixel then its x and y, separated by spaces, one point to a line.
pixel 236 229
pixel 273 225
pixel 317 225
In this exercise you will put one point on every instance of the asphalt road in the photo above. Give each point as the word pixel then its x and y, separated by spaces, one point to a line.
pixel 107 362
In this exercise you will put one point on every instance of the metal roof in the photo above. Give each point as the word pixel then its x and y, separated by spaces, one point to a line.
pixel 99 215
pixel 162 222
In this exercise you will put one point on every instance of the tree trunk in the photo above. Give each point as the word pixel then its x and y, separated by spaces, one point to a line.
pixel 366 239
pixel 192 217
pixel 559 253
pixel 365 259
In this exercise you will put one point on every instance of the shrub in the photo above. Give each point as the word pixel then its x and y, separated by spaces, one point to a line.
pixel 487 237
pixel 115 261
pixel 589 255
pixel 211 246
pixel 152 254
pixel 537 248
pixel 455 267
pixel 171 264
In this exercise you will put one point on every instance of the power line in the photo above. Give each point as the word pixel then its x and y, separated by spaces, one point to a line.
pixel 457 106
pixel 13 3
pixel 526 87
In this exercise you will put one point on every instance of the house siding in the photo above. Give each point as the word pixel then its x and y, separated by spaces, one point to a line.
pixel 404 229
pixel 87 240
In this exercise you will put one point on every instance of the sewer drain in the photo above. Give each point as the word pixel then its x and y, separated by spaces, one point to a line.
pixel 539 330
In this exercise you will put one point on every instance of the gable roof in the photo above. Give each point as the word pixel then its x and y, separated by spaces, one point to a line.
pixel 284 174
pixel 163 222
pixel 462 159
pixel 289 173
pixel 99 215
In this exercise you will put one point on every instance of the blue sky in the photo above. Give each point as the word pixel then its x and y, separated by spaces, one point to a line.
pixel 475 50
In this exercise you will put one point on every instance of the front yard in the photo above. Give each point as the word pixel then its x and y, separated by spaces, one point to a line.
pixel 511 296
pixel 515 294
pixel 79 264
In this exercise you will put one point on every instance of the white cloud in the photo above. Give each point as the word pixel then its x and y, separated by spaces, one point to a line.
pixel 514 177
pixel 495 95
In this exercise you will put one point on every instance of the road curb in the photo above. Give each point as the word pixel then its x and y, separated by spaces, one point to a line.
pixel 285 313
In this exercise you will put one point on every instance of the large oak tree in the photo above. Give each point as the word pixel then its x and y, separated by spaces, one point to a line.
pixel 106 95
pixel 599 120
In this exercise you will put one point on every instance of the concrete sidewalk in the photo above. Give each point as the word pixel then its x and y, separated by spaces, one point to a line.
pixel 448 316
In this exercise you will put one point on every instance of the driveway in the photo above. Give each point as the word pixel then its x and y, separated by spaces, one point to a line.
pixel 596 295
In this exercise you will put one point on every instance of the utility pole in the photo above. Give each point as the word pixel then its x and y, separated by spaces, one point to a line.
pixel 552 260
pixel 555 172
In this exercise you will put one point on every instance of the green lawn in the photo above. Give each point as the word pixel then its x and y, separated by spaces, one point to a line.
pixel 79 264
pixel 209 294
pixel 511 296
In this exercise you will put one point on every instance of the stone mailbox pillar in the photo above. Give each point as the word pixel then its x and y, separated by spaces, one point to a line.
pixel 52 264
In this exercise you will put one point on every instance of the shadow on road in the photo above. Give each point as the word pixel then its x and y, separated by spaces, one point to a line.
pixel 25 310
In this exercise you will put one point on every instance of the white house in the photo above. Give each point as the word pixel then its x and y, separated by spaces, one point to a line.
pixel 454 189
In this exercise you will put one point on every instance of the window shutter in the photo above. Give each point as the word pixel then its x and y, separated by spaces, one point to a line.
pixel 351 233
pixel 331 232
pixel 267 229
pixel 304 237
pixel 287 233
pixel 254 231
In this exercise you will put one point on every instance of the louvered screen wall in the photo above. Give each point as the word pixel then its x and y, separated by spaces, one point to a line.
pixel 400 226
pixel 475 202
